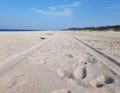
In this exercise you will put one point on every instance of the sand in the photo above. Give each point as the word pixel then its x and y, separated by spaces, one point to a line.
pixel 57 62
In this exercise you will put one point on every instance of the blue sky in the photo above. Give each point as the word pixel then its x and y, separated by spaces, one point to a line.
pixel 58 14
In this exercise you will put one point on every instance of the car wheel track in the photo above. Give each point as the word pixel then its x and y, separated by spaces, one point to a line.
pixel 16 59
pixel 107 60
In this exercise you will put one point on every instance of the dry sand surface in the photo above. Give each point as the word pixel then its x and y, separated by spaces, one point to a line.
pixel 59 62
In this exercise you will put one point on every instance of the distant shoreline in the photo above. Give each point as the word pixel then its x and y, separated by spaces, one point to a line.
pixel 14 30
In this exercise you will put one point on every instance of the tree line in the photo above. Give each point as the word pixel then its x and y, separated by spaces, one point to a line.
pixel 101 28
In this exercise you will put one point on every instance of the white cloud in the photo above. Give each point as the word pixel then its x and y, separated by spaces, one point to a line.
pixel 111 7
pixel 66 0
pixel 52 8
pixel 66 10
pixel 74 4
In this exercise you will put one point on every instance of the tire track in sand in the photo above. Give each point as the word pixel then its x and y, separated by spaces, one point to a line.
pixel 14 60
pixel 108 61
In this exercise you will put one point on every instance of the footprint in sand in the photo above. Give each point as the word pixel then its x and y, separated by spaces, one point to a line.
pixel 100 81
pixel 64 73
pixel 74 77
pixel 61 91
pixel 80 73
pixel 11 81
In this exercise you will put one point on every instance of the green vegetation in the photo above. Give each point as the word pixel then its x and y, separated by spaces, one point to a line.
pixel 101 28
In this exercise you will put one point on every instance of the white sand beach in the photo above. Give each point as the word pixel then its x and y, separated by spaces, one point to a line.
pixel 59 62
